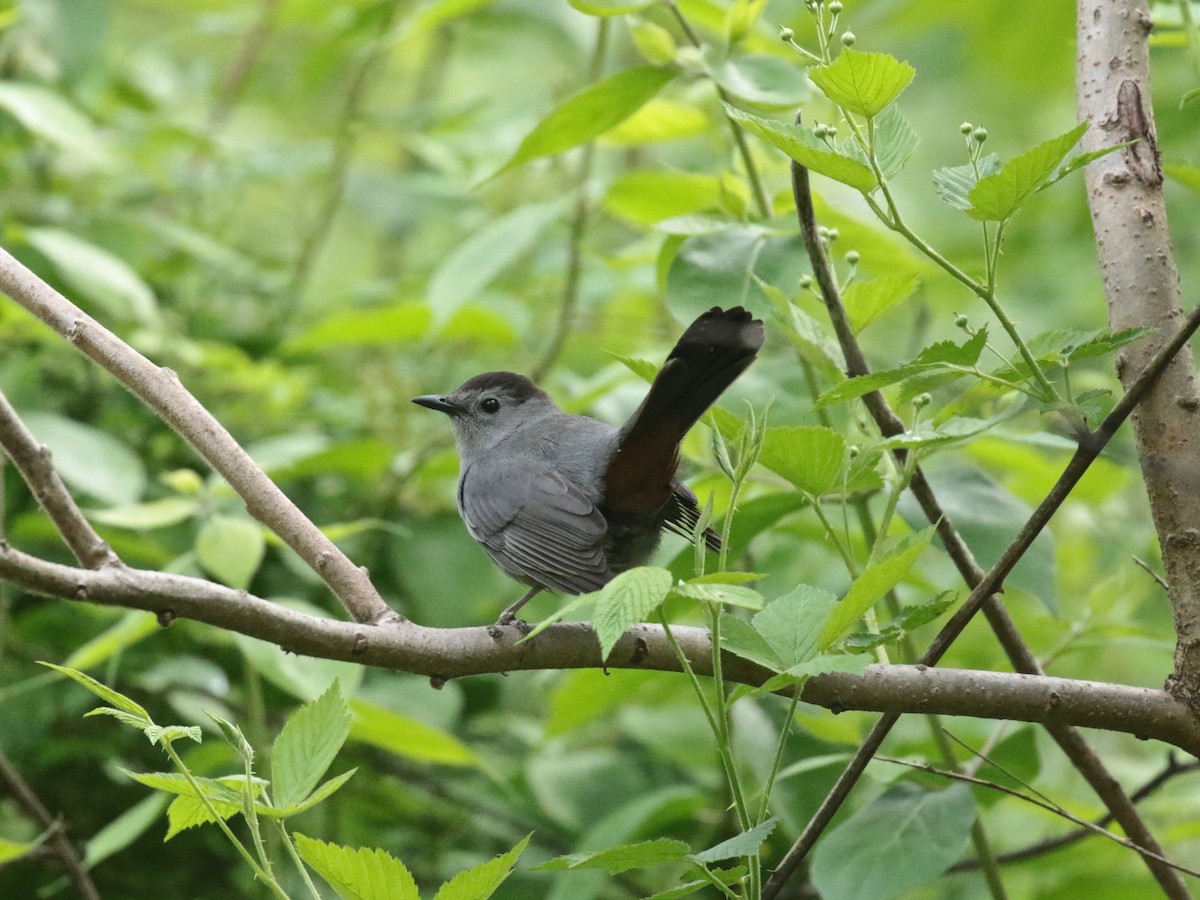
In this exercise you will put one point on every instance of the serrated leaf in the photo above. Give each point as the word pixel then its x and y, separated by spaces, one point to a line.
pixel 323 790
pixel 167 734
pixel 899 841
pixel 621 858
pixel 223 790
pixel 792 625
pixel 804 147
pixel 306 746
pixel 855 664
pixel 895 141
pixel 725 594
pixel 867 300
pixel 1078 162
pixel 230 548
pixel 480 882
pixel 627 600
pixel 953 183
pixel 186 812
pixel 362 874
pixel 762 80
pixel 726 578
pixel 105 693
pixel 863 83
pixel 811 457
pixel 997 197
pixel 740 638
pixel 881 575
pixel 590 113
pixel 743 844
pixel 926 434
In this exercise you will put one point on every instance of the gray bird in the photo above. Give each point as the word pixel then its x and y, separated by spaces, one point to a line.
pixel 564 502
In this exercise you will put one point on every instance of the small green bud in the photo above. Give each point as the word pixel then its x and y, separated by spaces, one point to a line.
pixel 831 234
pixel 853 451
pixel 848 39
pixel 831 130
pixel 852 257
pixel 821 130
pixel 922 400
pixel 979 135
pixel 806 281
pixel 966 127
pixel 961 321
pixel 835 7
pixel 786 34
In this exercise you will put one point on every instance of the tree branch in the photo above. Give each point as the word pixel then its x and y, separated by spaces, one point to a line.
pixel 32 461
pixel 445 653
pixel 161 390
pixel 1141 283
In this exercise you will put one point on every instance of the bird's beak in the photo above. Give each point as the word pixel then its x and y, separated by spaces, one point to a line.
pixel 440 403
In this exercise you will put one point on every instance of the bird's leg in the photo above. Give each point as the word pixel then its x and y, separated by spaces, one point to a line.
pixel 509 616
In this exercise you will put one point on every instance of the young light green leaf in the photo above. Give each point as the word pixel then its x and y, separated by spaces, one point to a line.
pixel 863 83
pixel 1078 162
pixel 131 628
pixel 762 80
pixel 997 197
pixel 90 460
pixel 105 693
pixel 45 113
pixel 97 274
pixel 559 614
pixel 189 811
pixel 227 789
pixel 854 664
pixel 362 874
pixel 953 183
pixel 627 600
pixel 726 578
pixel 383 325
pixel 654 42
pixel 307 744
pixel 160 513
pixel 809 456
pixel 740 638
pixel 804 147
pixel 910 619
pixel 123 830
pixel 323 790
pixel 158 734
pixel 480 882
pixel 610 7
pixel 867 300
pixel 478 259
pixel 621 858
pixel 590 113
pixel 743 844
pixel 895 141
pixel 230 548
pixel 881 575
pixel 725 594
pixel 906 838
pixel 406 737
pixel 792 625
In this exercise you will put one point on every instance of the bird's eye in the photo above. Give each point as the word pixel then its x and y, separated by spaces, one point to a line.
pixel 491 406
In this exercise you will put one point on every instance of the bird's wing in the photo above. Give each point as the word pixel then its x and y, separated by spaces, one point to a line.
pixel 536 525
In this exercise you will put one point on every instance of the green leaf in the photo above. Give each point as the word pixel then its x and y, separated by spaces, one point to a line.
pixel 374 326
pixel 478 259
pixel 792 625
pixel 610 7
pixel 10 850
pixel 189 811
pixel 766 81
pixel 98 275
pixel 820 664
pixel 954 183
pixel 653 41
pixel 647 196
pixel 147 516
pixel 590 113
pixel 881 575
pixel 43 112
pixel 912 618
pixel 105 693
pixel 363 874
pixel 742 639
pixel 90 460
pixel 1078 162
pixel 867 300
pixel 621 858
pixel 323 790
pixel 863 83
pixel 230 548
pixel 406 737
pixel 1186 174
pixel 131 628
pixel 627 600
pixel 725 594
pixel 744 844
pixel 227 789
pixel 895 141
pixel 306 746
pixel 123 830
pixel 811 457
pixel 901 840
pixel 481 882
pixel 804 147
pixel 997 197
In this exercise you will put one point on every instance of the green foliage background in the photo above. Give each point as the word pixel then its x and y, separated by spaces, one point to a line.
pixel 311 246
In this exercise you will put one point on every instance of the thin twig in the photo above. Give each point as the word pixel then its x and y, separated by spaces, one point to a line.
pixel 63 850
pixel 1042 804
pixel 32 461
pixel 245 58
pixel 1158 579
pixel 984 586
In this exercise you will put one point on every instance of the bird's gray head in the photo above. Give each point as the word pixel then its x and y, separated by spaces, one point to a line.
pixel 489 408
